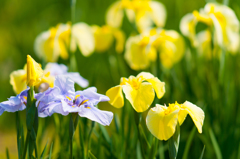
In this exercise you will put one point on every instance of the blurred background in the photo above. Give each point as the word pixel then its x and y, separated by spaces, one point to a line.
pixel 21 21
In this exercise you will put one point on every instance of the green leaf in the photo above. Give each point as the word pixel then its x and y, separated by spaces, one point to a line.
pixel 153 148
pixel 7 153
pixel 42 154
pixel 188 144
pixel 173 143
pixel 91 156
pixel 31 115
pixel 215 144
pixel 105 133
pixel 202 152
pixel 143 137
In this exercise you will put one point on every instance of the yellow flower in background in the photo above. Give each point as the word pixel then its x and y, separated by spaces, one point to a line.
pixel 18 79
pixel 142 49
pixel 162 121
pixel 144 13
pixel 55 42
pixel 34 72
pixel 104 37
pixel 221 20
pixel 139 91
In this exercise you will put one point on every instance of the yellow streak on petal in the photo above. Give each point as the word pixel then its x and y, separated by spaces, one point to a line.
pixel 68 98
pixel 77 96
pixel 84 101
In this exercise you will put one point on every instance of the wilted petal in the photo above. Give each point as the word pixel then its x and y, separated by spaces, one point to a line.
pixel 94 114
pixel 116 96
pixel 84 38
pixel 161 125
pixel 140 98
pixel 196 114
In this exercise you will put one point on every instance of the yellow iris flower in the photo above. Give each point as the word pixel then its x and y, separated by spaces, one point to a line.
pixel 144 13
pixel 138 90
pixel 220 19
pixel 162 121
pixel 55 42
pixel 142 49
pixel 34 72
pixel 104 37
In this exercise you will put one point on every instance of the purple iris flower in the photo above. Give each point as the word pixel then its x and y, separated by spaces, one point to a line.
pixel 63 99
pixel 15 103
pixel 56 69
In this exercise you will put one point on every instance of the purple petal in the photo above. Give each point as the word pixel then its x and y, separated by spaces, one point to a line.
pixel 77 78
pixel 94 114
pixel 93 97
pixel 1 110
pixel 56 69
pixel 66 86
pixel 13 104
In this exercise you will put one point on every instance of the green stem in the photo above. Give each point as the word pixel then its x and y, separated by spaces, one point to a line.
pixel 89 138
pixel 26 145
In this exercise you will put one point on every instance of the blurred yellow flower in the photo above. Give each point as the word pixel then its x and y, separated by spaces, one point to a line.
pixel 34 72
pixel 142 49
pixel 221 20
pixel 144 13
pixel 55 42
pixel 138 90
pixel 104 37
pixel 162 121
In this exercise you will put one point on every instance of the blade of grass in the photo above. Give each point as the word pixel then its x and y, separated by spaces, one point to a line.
pixel 42 154
pixel 91 156
pixel 189 141
pixel 7 154
pixel 50 152
pixel 215 144
pixel 202 152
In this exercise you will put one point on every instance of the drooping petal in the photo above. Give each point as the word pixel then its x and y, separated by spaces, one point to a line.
pixel 34 72
pixel 75 76
pixel 114 15
pixel 18 80
pixel 187 27
pixel 140 98
pixel 103 37
pixel 44 46
pixel 83 36
pixel 136 54
pixel 120 40
pixel 94 114
pixel 161 125
pixel 158 86
pixel 196 114
pixel 116 96
pixel 1 110
pixel 158 13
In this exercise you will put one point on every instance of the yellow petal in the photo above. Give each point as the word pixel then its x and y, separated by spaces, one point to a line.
pixel 140 98
pixel 116 96
pixel 158 86
pixel 103 37
pixel 120 40
pixel 84 38
pixel 162 125
pixel 158 13
pixel 34 72
pixel 136 54
pixel 196 114
pixel 114 15
pixel 18 80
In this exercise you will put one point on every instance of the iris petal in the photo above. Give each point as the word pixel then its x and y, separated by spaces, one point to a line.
pixel 116 96
pixel 161 125
pixel 140 98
